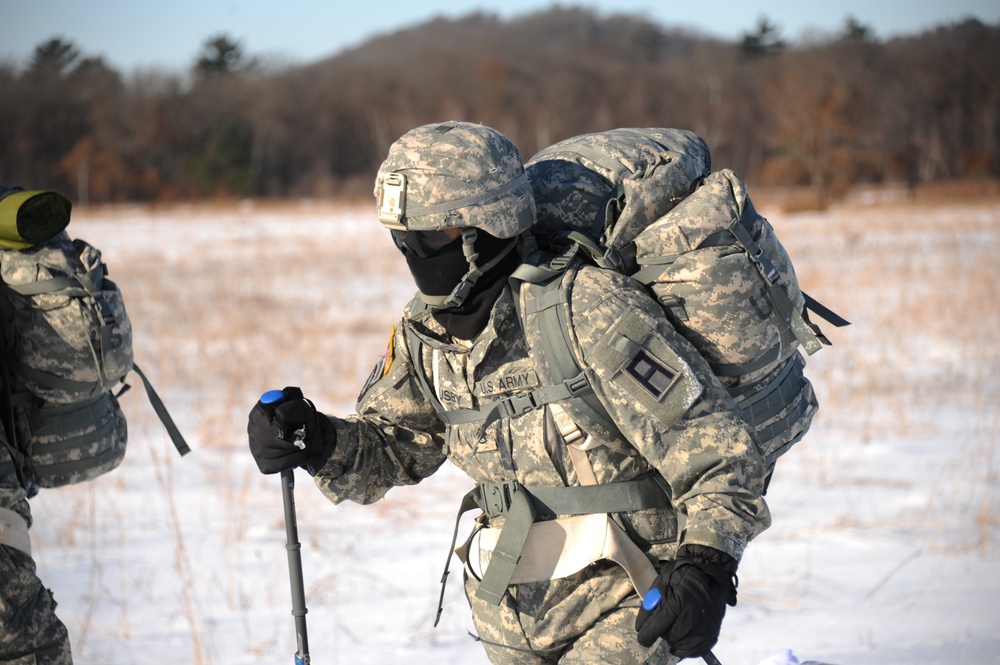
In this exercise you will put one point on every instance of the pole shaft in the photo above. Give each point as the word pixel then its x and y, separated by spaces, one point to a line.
pixel 710 659
pixel 295 576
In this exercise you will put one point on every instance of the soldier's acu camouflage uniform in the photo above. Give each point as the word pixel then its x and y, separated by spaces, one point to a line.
pixel 687 429
pixel 702 448
pixel 30 632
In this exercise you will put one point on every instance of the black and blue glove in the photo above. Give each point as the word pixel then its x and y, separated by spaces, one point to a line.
pixel 688 601
pixel 285 432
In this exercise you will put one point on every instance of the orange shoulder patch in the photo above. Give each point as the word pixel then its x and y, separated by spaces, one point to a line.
pixel 390 352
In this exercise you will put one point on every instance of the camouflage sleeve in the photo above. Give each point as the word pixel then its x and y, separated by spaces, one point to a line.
pixel 12 496
pixel 28 623
pixel 394 439
pixel 666 402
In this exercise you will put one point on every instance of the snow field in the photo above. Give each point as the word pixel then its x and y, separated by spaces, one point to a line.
pixel 884 548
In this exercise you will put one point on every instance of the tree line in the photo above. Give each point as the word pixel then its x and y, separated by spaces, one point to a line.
pixel 842 109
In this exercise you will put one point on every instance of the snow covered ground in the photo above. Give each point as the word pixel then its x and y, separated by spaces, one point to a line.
pixel 885 548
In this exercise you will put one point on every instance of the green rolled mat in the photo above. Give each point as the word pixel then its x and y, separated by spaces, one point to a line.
pixel 31 217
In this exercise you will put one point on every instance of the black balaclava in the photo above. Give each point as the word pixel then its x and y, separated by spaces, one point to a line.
pixel 438 274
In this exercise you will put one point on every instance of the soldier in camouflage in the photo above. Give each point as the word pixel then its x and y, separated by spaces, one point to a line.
pixel 578 521
pixel 30 632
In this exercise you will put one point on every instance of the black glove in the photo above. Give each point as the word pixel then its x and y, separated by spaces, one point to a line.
pixel 287 433
pixel 693 593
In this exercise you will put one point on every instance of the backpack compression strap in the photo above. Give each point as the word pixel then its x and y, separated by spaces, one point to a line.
pixel 87 282
pixel 82 285
pixel 741 229
pixel 546 318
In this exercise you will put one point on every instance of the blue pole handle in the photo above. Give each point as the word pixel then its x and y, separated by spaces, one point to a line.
pixel 652 599
pixel 272 397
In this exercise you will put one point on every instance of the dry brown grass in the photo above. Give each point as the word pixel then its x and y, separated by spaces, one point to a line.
pixel 249 311
pixel 984 191
pixel 920 363
pixel 243 314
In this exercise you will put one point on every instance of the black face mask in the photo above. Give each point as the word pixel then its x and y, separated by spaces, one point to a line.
pixel 470 318
pixel 440 272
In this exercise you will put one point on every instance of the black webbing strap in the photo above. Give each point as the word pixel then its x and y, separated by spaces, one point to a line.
pixel 161 411
pixel 824 312
pixel 468 503
pixel 51 381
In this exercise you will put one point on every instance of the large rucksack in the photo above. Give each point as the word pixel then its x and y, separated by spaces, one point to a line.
pixel 646 203
pixel 66 349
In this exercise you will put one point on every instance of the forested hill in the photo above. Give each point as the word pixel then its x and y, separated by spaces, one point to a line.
pixel 842 109
pixel 563 33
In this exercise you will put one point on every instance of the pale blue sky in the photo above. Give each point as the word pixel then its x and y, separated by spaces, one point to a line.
pixel 168 34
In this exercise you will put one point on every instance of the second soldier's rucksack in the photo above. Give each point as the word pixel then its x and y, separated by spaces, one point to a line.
pixel 66 349
pixel 646 203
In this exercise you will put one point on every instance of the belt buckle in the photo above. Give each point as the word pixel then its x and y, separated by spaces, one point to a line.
pixel 497 497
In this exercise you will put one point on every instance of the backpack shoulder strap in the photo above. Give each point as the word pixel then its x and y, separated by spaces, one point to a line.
pixel 546 320
pixel 414 347
pixel 564 389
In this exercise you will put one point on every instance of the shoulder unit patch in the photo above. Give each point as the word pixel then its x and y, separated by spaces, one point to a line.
pixel 652 374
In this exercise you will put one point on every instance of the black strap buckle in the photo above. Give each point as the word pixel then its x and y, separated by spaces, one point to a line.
pixel 496 498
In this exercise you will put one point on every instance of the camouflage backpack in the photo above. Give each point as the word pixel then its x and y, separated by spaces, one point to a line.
pixel 67 346
pixel 646 203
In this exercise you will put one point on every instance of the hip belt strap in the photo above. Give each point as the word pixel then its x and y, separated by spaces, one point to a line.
pixel 522 506
pixel 561 547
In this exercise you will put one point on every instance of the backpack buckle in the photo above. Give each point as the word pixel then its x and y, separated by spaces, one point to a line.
pixel 577 384
pixel 496 498
pixel 519 405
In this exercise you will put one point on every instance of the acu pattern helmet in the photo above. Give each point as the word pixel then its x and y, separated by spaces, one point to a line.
pixel 455 175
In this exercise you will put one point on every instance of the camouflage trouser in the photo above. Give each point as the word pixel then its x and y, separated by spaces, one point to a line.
pixel 587 618
pixel 30 632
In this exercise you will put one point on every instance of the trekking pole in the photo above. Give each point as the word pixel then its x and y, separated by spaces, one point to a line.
pixel 710 659
pixel 295 567
pixel 294 548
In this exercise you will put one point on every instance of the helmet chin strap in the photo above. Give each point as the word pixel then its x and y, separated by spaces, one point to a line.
pixel 469 280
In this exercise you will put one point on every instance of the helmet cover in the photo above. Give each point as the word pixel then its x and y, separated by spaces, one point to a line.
pixel 455 175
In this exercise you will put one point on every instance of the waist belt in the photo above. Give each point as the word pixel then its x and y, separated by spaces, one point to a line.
pixel 561 547
pixel 498 499
pixel 522 506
